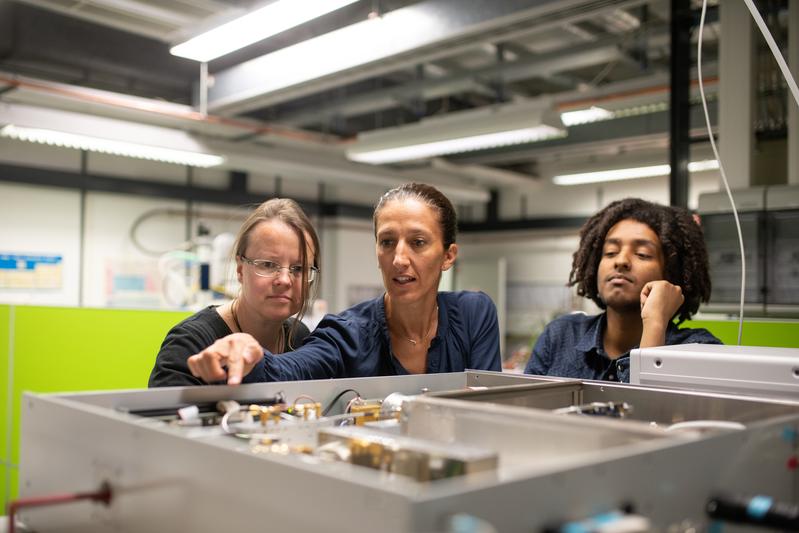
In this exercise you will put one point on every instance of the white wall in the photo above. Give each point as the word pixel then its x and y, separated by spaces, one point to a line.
pixel 349 267
pixel 538 265
pixel 110 252
pixel 42 220
pixel 39 220
pixel 47 220
pixel 548 200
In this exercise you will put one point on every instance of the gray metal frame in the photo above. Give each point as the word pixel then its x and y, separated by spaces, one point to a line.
pixel 551 467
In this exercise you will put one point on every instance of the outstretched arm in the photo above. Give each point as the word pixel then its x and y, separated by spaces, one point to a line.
pixel 322 356
pixel 239 352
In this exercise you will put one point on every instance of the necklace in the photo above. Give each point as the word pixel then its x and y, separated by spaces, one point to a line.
pixel 235 315
pixel 280 337
pixel 429 331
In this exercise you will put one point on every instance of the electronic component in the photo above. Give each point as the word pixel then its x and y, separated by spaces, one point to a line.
pixel 610 522
pixel 756 510
pixel 419 459
pixel 368 409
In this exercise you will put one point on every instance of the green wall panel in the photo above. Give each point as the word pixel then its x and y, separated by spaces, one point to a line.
pixel 79 349
pixel 62 349
pixel 783 334
pixel 5 426
pixel 5 312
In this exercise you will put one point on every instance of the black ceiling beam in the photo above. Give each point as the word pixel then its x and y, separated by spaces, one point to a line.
pixel 522 224
pixel 76 51
pixel 99 183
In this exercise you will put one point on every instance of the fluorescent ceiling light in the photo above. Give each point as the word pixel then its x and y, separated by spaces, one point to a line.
pixel 253 27
pixel 453 146
pixel 109 146
pixel 699 166
pixel 629 173
pixel 585 116
pixel 462 131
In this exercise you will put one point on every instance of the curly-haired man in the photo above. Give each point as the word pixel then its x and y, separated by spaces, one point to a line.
pixel 645 264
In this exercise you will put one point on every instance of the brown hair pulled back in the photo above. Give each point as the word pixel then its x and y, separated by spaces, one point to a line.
pixel 427 194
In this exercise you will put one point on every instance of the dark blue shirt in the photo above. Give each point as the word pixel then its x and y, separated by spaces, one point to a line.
pixel 356 343
pixel 572 346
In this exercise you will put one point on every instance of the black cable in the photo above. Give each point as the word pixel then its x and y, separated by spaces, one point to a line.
pixel 337 398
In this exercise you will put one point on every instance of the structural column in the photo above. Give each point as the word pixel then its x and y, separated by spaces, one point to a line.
pixel 679 104
pixel 793 106
pixel 736 93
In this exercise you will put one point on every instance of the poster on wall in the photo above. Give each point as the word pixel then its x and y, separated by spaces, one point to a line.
pixel 28 271
pixel 135 283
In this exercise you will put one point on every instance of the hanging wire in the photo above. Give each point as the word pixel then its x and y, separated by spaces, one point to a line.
pixel 721 169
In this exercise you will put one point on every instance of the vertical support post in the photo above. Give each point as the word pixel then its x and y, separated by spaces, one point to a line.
pixel 238 181
pixel 84 170
pixel 501 95
pixel 643 46
pixel 492 208
pixel 793 106
pixel 680 116
pixel 419 105
pixel 736 93
pixel 204 88
pixel 329 235
pixel 189 228
pixel 321 193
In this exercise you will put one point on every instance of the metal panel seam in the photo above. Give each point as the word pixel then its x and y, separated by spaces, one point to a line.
pixel 9 405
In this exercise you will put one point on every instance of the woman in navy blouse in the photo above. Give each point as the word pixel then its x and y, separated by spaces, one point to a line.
pixel 412 329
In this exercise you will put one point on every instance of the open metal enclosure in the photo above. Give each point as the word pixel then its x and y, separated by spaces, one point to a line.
pixel 503 452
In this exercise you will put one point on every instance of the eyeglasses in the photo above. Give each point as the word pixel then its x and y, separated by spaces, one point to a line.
pixel 270 269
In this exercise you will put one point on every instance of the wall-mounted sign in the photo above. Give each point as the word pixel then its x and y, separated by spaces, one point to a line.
pixel 22 271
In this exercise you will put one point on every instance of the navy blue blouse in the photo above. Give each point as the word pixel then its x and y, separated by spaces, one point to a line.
pixel 572 346
pixel 356 343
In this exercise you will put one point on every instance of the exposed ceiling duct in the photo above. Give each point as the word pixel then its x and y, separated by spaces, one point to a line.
pixel 338 57
pixel 272 111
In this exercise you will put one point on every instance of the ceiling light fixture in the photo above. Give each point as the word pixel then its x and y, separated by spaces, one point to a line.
pixel 629 173
pixel 253 27
pixel 585 116
pixel 463 131
pixel 109 146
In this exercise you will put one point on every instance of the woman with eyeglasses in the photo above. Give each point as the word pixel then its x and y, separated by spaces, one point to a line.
pixel 411 329
pixel 276 253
